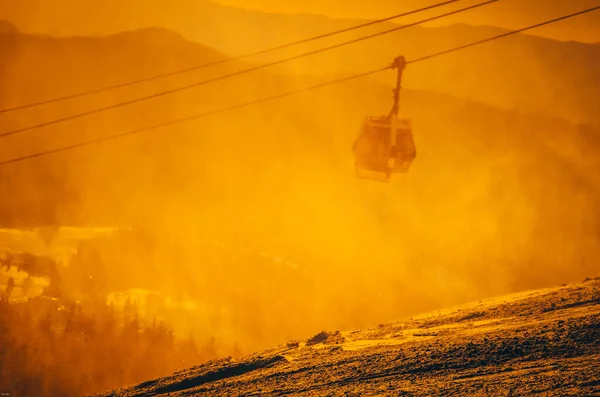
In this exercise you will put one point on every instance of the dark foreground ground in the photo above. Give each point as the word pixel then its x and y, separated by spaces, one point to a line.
pixel 543 343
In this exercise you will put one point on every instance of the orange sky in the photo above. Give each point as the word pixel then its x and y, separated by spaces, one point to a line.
pixel 93 17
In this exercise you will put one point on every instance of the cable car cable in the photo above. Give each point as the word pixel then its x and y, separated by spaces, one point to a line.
pixel 238 73
pixel 220 62
pixel 505 34
pixel 289 93
pixel 190 118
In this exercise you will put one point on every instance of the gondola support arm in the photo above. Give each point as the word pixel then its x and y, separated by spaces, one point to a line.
pixel 399 64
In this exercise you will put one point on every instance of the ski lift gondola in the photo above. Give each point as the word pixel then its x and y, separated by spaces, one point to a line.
pixel 385 144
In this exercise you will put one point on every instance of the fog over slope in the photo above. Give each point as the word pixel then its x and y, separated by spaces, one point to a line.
pixel 543 341
pixel 498 200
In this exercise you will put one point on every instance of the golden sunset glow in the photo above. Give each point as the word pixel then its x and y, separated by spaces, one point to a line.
pixel 247 229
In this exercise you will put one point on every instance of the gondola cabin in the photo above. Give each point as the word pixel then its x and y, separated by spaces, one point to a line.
pixel 385 144
pixel 384 147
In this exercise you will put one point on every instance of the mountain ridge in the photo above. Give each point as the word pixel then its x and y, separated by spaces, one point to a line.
pixel 7 27
pixel 560 76
pixel 188 15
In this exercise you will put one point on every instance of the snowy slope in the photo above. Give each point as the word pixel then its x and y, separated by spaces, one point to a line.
pixel 544 341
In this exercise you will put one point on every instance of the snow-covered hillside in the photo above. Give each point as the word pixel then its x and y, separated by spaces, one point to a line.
pixel 542 342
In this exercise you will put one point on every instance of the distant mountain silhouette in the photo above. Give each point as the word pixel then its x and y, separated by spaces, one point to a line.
pixel 189 17
pixel 127 55
pixel 7 27
pixel 523 72
pixel 37 68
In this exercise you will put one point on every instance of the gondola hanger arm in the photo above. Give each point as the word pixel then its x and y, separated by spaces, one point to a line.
pixel 399 64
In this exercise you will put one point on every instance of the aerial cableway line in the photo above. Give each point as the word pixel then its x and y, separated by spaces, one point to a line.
pixel 227 60
pixel 238 73
pixel 286 94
